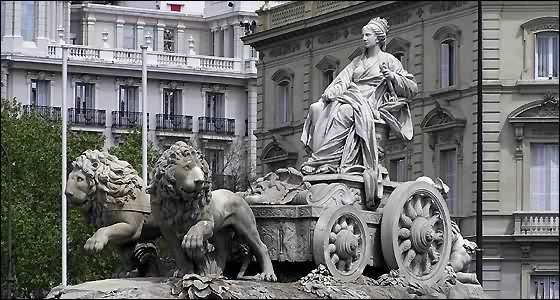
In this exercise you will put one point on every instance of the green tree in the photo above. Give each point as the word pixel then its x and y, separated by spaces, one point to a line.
pixel 34 189
pixel 131 151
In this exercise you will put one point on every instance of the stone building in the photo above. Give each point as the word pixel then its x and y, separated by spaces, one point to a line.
pixel 304 44
pixel 202 79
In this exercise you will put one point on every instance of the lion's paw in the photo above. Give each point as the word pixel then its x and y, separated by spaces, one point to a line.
pixel 96 243
pixel 267 276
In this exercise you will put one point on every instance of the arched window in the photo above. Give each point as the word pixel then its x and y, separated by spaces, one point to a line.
pixel 328 66
pixel 400 49
pixel 447 63
pixel 447 42
pixel 546 55
pixel 540 48
pixel 284 82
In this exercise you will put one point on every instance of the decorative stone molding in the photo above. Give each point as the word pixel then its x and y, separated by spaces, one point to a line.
pixel 283 74
pixel 442 6
pixel 398 18
pixel 328 37
pixel 284 49
pixel 541 24
pixel 328 63
pixel 450 31
pixel 274 152
pixel 540 111
pixel 397 45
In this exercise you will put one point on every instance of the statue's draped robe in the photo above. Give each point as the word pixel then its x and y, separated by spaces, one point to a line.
pixel 344 132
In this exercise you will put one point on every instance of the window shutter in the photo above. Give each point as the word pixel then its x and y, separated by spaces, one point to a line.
pixel 444 65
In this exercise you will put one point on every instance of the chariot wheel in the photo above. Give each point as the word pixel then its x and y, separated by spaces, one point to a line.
pixel 340 242
pixel 416 232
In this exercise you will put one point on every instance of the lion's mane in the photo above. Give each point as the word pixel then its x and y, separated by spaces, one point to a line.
pixel 179 209
pixel 116 177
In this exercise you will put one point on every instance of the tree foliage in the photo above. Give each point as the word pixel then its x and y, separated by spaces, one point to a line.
pixel 32 184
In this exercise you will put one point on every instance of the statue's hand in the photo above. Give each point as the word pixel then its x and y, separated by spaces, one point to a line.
pixel 388 74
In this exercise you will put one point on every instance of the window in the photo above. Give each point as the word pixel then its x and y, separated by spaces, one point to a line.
pixel 40 90
pixel 84 97
pixel 175 7
pixel 215 159
pixel 284 101
pixel 168 40
pixel 28 20
pixel 328 77
pixel 171 102
pixel 544 287
pixel 544 176
pixel 448 173
pixel 447 63
pixel 397 170
pixel 151 31
pixel 128 99
pixel 129 37
pixel 546 55
pixel 215 105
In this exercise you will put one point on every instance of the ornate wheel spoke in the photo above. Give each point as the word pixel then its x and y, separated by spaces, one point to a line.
pixel 418 205
pixel 426 209
pixel 405 246
pixel 410 255
pixel 336 228
pixel 404 233
pixel 410 211
pixel 405 221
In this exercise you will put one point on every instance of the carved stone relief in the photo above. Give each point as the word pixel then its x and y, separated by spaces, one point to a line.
pixel 284 49
pixel 442 6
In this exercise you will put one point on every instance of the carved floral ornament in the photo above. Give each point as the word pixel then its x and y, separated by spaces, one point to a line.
pixel 445 125
pixel 328 63
pixel 540 24
pixel 41 75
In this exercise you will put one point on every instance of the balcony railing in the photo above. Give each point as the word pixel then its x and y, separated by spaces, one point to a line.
pixel 216 125
pixel 125 119
pixel 50 113
pixel 153 59
pixel 87 117
pixel 536 223
pixel 174 122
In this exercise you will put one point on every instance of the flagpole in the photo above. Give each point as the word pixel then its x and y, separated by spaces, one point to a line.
pixel 144 47
pixel 64 138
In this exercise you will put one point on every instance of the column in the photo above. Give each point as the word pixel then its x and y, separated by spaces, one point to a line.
pixel 252 124
pixel 9 15
pixel 181 42
pixel 119 34
pixel 216 37
pixel 4 80
pixel 139 34
pixel 220 42
pixel 17 19
pixel 91 32
pixel 160 29
pixel 226 29
pixel 42 38
pixel 237 42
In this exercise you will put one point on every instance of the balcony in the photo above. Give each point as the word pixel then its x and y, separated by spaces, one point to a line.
pixel 49 113
pixel 536 223
pixel 87 117
pixel 126 120
pixel 216 126
pixel 177 123
pixel 133 58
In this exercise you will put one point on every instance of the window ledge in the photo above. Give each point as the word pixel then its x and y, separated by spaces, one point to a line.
pixel 537 82
pixel 444 91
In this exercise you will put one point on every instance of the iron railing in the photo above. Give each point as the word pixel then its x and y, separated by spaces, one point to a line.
pixel 87 116
pixel 216 125
pixel 174 122
pixel 50 113
pixel 126 119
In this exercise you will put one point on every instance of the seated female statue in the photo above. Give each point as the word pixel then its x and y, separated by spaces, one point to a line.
pixel 339 131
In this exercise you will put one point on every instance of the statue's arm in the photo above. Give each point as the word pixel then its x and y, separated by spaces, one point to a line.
pixel 403 82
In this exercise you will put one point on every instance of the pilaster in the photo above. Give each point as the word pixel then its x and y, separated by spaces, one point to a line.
pixel 119 36
pixel 226 29
pixel 160 29
pixel 91 31
pixel 139 34
pixel 216 37
pixel 181 41
pixel 252 126
pixel 237 42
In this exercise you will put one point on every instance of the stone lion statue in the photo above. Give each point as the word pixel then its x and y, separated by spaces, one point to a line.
pixel 108 193
pixel 201 225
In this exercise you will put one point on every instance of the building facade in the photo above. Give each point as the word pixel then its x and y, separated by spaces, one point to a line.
pixel 303 45
pixel 201 78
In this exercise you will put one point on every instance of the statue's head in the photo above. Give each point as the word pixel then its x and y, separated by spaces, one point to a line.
pixel 94 170
pixel 375 30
